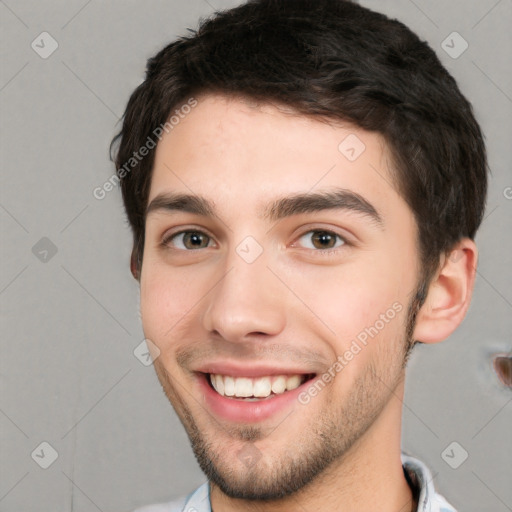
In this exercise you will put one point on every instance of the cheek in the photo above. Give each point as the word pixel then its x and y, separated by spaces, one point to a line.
pixel 350 298
pixel 363 305
pixel 167 296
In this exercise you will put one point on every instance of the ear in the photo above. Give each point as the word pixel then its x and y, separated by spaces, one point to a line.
pixel 134 268
pixel 449 294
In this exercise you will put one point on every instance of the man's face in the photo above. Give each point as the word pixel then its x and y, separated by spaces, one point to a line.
pixel 263 290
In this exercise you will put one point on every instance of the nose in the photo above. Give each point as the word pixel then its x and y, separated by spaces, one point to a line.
pixel 247 301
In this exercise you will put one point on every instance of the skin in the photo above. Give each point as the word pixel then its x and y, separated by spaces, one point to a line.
pixel 298 301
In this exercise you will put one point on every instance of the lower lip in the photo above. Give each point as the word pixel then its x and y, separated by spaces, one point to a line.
pixel 243 411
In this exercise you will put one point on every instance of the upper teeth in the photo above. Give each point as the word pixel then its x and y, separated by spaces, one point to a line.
pixel 261 387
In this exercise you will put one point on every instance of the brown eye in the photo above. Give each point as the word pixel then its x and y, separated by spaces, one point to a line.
pixel 318 239
pixel 188 240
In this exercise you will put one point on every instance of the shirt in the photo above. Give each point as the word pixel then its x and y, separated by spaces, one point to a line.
pixel 417 474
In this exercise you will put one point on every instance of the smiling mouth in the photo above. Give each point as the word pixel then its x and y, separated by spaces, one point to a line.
pixel 255 389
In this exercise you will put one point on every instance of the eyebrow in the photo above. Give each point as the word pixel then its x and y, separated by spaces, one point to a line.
pixel 336 199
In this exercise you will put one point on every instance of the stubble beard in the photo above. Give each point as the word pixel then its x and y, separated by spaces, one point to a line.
pixel 327 440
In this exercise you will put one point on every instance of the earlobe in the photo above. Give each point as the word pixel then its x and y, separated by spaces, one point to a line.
pixel 449 294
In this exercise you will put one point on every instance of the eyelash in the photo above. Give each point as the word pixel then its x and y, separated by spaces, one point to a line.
pixel 324 252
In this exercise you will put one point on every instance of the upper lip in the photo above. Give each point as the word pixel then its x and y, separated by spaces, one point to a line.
pixel 253 370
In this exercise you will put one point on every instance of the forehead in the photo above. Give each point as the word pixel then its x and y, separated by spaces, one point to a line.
pixel 234 149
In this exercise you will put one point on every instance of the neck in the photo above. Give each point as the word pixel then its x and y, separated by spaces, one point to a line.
pixel 367 478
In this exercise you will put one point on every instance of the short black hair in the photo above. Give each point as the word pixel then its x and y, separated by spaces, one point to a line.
pixel 331 60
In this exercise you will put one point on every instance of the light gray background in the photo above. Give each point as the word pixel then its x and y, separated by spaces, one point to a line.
pixel 70 325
